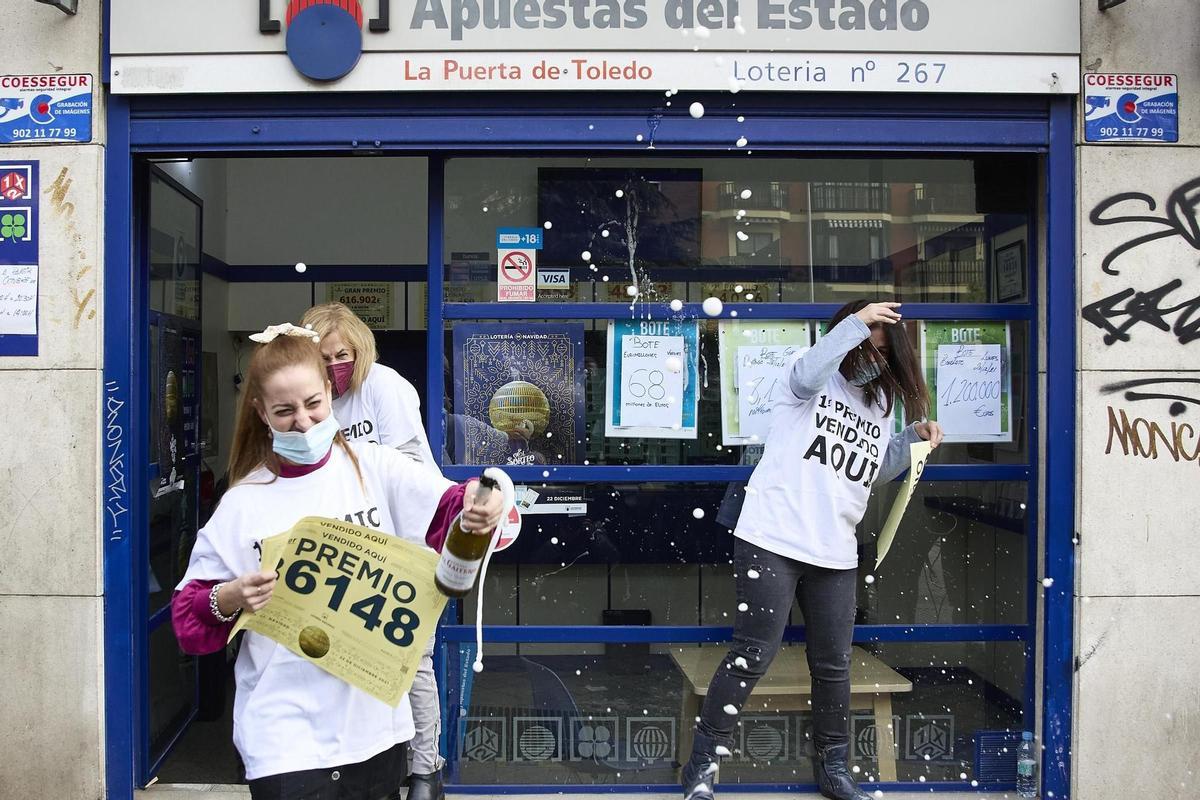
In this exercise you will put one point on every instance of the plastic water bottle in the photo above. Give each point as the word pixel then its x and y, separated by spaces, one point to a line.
pixel 1026 767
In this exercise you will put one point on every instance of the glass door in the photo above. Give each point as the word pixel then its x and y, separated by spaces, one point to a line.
pixel 172 244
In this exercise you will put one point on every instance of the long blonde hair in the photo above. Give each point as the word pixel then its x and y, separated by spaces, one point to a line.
pixel 337 318
pixel 251 438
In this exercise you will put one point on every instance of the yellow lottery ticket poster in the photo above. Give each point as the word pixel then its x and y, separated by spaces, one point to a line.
pixel 358 603
pixel 919 452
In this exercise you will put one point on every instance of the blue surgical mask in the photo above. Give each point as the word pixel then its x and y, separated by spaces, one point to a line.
pixel 307 447
pixel 867 371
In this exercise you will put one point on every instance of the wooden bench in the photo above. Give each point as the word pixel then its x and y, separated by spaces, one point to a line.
pixel 787 686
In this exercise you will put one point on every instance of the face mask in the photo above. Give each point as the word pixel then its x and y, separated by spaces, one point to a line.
pixel 306 447
pixel 339 376
pixel 866 372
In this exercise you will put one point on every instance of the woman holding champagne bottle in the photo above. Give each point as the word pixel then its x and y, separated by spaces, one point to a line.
pixel 301 732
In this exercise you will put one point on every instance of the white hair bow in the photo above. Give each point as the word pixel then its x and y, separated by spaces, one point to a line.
pixel 286 329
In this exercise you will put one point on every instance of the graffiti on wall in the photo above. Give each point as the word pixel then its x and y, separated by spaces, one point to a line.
pixel 1138 437
pixel 1159 389
pixel 1120 313
pixel 1133 429
pixel 115 490
pixel 1180 218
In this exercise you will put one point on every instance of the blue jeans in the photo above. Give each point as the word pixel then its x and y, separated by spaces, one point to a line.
pixel 827 599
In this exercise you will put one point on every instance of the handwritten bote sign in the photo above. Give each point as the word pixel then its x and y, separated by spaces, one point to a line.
pixel 968 367
pixel 356 602
pixel 754 357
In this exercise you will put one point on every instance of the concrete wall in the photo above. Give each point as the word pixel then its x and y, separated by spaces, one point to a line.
pixel 50 576
pixel 1138 601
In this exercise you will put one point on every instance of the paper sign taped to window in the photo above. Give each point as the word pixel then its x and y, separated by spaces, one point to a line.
pixel 920 454
pixel 356 602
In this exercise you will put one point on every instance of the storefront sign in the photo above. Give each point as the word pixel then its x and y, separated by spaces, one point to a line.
pixel 19 221
pixel 969 371
pixel 371 301
pixel 516 279
pixel 568 500
pixel 554 278
pixel 1130 107
pixel 357 603
pixel 652 379
pixel 554 284
pixel 526 238
pixel 754 357
pixel 469 277
pixel 45 108
pixel 518 393
pixel 1027 46
pixel 652 391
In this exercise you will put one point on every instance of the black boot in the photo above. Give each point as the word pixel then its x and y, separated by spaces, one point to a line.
pixel 426 787
pixel 833 777
pixel 700 772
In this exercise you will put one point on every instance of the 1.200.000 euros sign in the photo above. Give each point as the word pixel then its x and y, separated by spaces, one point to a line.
pixel 357 603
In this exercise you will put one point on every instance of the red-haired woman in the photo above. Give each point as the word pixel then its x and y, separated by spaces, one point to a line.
pixel 301 732
pixel 374 403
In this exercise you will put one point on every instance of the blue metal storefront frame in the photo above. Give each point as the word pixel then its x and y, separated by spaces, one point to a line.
pixel 446 126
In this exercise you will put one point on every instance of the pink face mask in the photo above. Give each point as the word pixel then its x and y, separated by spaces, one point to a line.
pixel 339 376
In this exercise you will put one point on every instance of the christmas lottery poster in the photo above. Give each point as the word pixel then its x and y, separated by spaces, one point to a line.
pixel 518 393
pixel 653 379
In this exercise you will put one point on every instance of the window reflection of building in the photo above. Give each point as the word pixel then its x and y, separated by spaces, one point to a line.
pixel 950 264
pixel 747 227
pixel 839 239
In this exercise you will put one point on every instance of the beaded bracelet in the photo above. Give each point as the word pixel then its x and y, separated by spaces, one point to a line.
pixel 216 609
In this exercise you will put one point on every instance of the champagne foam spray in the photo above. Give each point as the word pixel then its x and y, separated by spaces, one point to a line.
pixel 506 488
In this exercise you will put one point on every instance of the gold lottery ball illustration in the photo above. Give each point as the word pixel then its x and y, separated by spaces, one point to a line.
pixel 519 407
pixel 314 641
pixel 171 396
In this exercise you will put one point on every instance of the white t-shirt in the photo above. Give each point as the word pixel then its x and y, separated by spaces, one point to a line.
pixel 289 715
pixel 385 410
pixel 825 449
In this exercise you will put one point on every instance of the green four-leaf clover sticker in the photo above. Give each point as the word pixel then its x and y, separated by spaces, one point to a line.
pixel 12 226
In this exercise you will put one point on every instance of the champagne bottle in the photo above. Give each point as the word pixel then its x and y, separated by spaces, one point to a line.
pixel 463 552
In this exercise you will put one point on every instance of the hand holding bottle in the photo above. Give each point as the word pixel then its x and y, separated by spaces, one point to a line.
pixel 469 537
pixel 481 518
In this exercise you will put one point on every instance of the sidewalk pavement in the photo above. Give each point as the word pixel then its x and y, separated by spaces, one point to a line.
pixel 220 792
